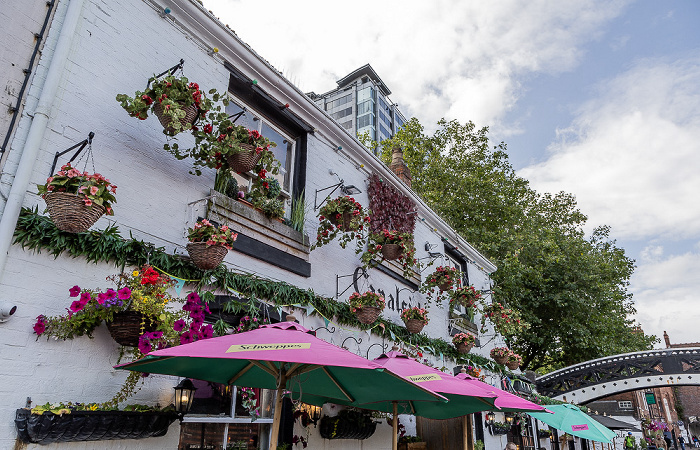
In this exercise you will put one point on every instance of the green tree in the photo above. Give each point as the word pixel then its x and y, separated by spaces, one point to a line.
pixel 571 288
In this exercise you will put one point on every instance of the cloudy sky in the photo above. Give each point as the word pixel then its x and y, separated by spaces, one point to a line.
pixel 597 98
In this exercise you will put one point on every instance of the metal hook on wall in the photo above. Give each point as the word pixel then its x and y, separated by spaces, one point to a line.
pixel 363 274
pixel 80 146
pixel 357 341
pixel 383 346
pixel 169 71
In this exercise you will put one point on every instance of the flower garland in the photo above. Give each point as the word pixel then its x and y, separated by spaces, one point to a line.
pixel 249 401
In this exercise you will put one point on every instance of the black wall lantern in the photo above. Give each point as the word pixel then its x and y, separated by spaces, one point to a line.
pixel 184 395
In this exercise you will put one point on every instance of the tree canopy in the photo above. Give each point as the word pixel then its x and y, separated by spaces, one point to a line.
pixel 570 287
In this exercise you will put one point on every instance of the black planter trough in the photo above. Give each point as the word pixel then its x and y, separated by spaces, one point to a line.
pixel 347 425
pixel 47 428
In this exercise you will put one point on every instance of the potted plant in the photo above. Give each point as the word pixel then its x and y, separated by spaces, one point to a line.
pixel 367 307
pixel 544 434
pixel 466 296
pixel 392 245
pixel 264 195
pixel 500 354
pixel 506 321
pixel 464 342
pixel 514 360
pixel 209 244
pixel 174 100
pixel 415 319
pixel 412 443
pixel 499 428
pixel 348 424
pixel 75 200
pixel 342 216
pixel 77 422
pixel 443 278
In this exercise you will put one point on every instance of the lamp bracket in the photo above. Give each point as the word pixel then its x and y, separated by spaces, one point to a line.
pixel 360 272
pixel 170 71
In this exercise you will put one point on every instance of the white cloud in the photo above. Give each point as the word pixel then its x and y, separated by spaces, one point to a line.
pixel 630 156
pixel 666 293
pixel 450 58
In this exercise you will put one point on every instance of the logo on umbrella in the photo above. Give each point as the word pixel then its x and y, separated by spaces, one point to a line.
pixel 422 378
pixel 260 347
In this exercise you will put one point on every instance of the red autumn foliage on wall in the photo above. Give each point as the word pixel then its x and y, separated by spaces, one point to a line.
pixel 391 210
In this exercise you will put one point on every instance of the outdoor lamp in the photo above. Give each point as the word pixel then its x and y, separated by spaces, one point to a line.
pixel 509 419
pixel 490 417
pixel 313 413
pixel 184 395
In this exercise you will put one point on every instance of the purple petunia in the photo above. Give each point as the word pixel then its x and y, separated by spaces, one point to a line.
pixel 85 297
pixel 40 326
pixel 111 294
pixel 144 344
pixel 124 293
pixel 186 338
pixel 74 291
pixel 207 331
pixel 179 325
pixel 101 298
pixel 77 306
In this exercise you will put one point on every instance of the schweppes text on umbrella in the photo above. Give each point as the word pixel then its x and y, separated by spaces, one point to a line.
pixel 426 377
pixel 263 347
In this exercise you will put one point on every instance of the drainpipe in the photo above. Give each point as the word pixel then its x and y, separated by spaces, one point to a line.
pixel 35 136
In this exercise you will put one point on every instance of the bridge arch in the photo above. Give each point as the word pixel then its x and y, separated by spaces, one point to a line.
pixel 598 378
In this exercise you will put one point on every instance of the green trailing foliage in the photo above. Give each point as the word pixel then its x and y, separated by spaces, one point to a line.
pixel 37 233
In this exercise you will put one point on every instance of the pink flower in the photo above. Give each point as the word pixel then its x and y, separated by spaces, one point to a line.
pixel 124 293
pixel 74 291
pixel 87 201
pixel 93 190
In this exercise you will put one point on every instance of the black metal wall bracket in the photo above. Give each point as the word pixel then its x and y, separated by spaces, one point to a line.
pixel 169 71
pixel 80 146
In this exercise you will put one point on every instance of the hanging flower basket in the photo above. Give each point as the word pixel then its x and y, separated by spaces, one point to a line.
pixel 414 326
pixel 512 365
pixel 69 213
pixel 345 221
pixel 186 122
pixel 127 327
pixel 500 354
pixel 206 257
pixel 390 252
pixel 77 426
pixel 368 314
pixel 245 160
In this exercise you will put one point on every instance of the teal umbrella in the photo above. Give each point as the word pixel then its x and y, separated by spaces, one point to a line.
pixel 572 420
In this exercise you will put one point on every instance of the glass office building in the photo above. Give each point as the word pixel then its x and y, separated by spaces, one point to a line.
pixel 361 105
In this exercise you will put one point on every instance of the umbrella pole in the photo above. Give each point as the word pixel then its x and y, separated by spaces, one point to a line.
pixel 395 426
pixel 278 410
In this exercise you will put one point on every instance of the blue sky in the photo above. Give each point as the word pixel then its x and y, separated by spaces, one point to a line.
pixel 598 98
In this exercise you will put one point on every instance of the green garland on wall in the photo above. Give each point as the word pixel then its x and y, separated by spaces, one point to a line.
pixel 36 232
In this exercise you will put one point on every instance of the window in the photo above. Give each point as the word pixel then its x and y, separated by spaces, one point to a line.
pixel 365 121
pixel 342 113
pixel 624 405
pixel 284 151
pixel 338 102
pixel 366 107
pixel 347 125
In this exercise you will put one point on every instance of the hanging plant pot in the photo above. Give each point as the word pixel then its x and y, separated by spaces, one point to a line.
pixel 344 223
pixel 500 359
pixel 127 326
pixel 446 286
pixel 77 426
pixel 245 160
pixel 69 213
pixel 464 348
pixel 414 326
pixel 191 113
pixel 512 365
pixel 391 251
pixel 206 257
pixel 368 314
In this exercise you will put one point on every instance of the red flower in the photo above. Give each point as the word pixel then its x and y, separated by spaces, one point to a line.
pixel 148 100
pixel 208 128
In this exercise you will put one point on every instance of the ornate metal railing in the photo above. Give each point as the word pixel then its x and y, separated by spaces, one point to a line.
pixel 651 365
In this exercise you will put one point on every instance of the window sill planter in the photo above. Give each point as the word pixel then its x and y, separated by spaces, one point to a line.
pixel 249 222
pixel 90 425
pixel 496 431
pixel 413 446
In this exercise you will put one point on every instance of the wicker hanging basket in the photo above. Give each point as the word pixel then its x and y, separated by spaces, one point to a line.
pixel 446 286
pixel 500 359
pixel 414 326
pixel 190 117
pixel 126 327
pixel 344 223
pixel 464 348
pixel 367 314
pixel 512 365
pixel 206 257
pixel 391 251
pixel 69 213
pixel 245 160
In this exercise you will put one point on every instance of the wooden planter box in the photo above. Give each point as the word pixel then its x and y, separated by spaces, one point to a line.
pixel 413 446
pixel 90 425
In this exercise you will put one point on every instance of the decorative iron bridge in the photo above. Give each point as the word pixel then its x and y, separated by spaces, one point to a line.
pixel 602 377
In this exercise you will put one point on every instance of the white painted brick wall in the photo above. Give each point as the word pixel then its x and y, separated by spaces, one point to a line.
pixel 118 45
